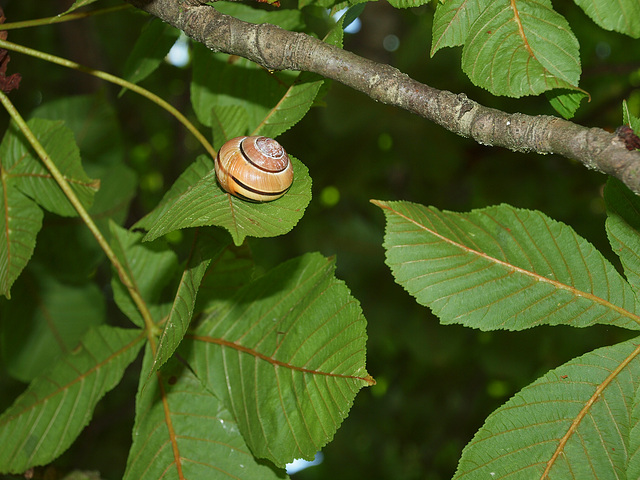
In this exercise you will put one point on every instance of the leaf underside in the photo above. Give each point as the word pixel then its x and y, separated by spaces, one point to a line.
pixel 503 268
pixel 553 424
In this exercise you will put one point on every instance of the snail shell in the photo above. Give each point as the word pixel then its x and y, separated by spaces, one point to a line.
pixel 254 168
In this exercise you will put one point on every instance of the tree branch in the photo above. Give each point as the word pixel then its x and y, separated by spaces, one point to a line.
pixel 278 49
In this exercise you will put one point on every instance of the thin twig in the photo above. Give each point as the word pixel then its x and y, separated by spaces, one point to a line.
pixel 38 22
pixel 118 81
pixel 84 215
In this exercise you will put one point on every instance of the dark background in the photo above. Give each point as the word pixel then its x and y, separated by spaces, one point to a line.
pixel 436 384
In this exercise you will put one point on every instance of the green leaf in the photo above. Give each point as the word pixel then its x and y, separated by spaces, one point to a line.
pixel 68 250
pixel 623 227
pixel 566 102
pixel 20 221
pixel 290 99
pixel 150 267
pixel 452 22
pixel 97 132
pixel 620 16
pixel 45 320
pixel 184 431
pixel 118 186
pixel 24 170
pixel 220 80
pixel 287 19
pixel 235 96
pixel 227 273
pixel 591 403
pixel 407 3
pixel 95 126
pixel 287 357
pixel 227 122
pixel 522 48
pixel 503 268
pixel 628 119
pixel 292 107
pixel 204 247
pixel 194 172
pixel 510 48
pixel 205 203
pixel 51 413
pixel 76 5
pixel 153 44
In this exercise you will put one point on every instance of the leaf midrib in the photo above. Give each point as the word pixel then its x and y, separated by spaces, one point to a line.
pixel 539 278
pixel 75 380
pixel 277 363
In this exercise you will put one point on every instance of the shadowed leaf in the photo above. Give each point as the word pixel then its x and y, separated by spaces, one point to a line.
pixel 51 413
pixel 287 357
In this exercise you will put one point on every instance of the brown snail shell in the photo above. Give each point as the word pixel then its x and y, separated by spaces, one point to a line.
pixel 254 168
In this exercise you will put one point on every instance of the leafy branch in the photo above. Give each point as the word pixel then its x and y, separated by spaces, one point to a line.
pixel 82 212
pixel 277 49
pixel 247 366
pixel 117 81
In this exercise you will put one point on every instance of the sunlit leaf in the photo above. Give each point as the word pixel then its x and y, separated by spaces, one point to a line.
pixel 510 48
pixel 566 102
pixel 184 431
pixel 407 3
pixel 579 421
pixel 623 227
pixel 452 22
pixel 503 268
pixel 51 413
pixel 205 203
pixel 620 16
pixel 521 48
pixel 287 357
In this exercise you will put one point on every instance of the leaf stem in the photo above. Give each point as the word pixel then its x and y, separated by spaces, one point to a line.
pixel 84 215
pixel 60 18
pixel 118 81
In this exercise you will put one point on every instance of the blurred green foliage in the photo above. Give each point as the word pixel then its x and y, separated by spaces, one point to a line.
pixel 436 384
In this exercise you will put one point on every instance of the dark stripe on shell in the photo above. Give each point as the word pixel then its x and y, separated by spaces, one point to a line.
pixel 256 191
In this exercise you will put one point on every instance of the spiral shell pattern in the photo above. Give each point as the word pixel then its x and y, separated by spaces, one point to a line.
pixel 254 168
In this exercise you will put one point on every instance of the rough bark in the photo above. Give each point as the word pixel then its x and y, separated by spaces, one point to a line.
pixel 278 49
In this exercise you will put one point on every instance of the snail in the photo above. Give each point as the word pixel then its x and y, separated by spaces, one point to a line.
pixel 254 168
